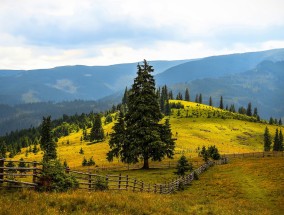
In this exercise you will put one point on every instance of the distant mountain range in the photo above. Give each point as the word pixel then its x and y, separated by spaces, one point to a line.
pixel 255 77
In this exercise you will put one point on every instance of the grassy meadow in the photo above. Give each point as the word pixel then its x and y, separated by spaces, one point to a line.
pixel 244 186
pixel 192 132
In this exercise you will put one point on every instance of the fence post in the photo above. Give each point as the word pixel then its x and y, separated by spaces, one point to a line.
pixel 34 171
pixel 134 185
pixel 67 170
pixel 155 188
pixel 90 180
pixel 142 186
pixel 2 170
pixel 119 181
pixel 160 188
pixel 126 182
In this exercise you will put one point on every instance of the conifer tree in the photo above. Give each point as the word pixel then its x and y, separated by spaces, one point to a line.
pixel 210 101
pixel 200 99
pixel 143 139
pixel 255 112
pixel 249 109
pixel 267 140
pixel 171 95
pixel 167 108
pixel 281 146
pixel 196 98
pixel 187 96
pixel 46 143
pixel 183 166
pixel 276 141
pixel 97 131
pixel 221 106
pixel 271 121
pixel 280 122
pixel 125 96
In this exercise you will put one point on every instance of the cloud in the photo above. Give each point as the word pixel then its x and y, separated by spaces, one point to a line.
pixel 30 97
pixel 48 33
pixel 65 85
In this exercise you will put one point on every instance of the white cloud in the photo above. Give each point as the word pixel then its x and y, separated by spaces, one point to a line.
pixel 48 33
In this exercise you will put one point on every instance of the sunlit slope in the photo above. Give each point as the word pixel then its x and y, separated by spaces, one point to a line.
pixel 191 127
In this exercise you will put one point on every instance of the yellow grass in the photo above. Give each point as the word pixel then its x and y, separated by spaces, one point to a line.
pixel 229 135
pixel 244 186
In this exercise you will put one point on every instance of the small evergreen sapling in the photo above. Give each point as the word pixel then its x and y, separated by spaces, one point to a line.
pixel 183 166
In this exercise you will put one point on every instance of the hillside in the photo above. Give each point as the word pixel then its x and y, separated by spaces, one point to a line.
pixel 262 86
pixel 222 129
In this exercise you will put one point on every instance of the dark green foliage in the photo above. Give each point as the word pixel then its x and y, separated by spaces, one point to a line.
pixel 232 108
pixel 170 95
pixel 179 96
pixel 12 165
pixel 97 132
pixel 167 108
pixel 100 184
pixel 204 154
pixel 47 144
pixel 242 110
pixel 267 140
pixel 195 176
pixel 187 95
pixel 108 119
pixel 54 178
pixel 221 106
pixel 164 99
pixel 183 166
pixel 249 109
pixel 211 152
pixel 142 136
pixel 278 141
pixel 255 112
pixel 200 99
pixel 196 98
pixel 125 97
pixel 210 101
pixel 89 162
pixel 280 121
pixel 3 150
pixel 81 151
pixel 281 146
pixel 271 121
pixel 22 165
pixel 177 105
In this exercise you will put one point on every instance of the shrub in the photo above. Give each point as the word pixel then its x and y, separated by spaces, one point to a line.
pixel 54 178
pixel 183 166
pixel 100 184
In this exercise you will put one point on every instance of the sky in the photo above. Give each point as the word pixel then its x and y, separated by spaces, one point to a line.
pixel 48 33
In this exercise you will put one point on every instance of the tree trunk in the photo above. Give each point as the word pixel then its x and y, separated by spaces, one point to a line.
pixel 146 163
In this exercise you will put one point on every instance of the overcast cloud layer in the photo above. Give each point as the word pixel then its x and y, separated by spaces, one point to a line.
pixel 49 33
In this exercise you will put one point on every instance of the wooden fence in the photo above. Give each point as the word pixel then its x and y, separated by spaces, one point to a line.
pixel 255 154
pixel 23 175
pixel 92 181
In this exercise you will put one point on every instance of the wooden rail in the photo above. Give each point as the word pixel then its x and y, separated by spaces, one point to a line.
pixel 13 176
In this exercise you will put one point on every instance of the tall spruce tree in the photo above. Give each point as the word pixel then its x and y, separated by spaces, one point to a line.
pixel 221 106
pixel 276 141
pixel 210 101
pixel 281 146
pixel 200 99
pixel 249 109
pixel 144 138
pixel 97 131
pixel 46 143
pixel 267 140
pixel 187 96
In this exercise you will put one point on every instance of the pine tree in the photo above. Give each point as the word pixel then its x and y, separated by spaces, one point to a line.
pixel 171 95
pixel 3 150
pixel 276 141
pixel 281 146
pixel 249 109
pixel 125 97
pixel 271 121
pixel 210 101
pixel 280 122
pixel 267 140
pixel 167 108
pixel 142 129
pixel 221 106
pixel 200 99
pixel 255 112
pixel 187 96
pixel 97 131
pixel 22 165
pixel 183 166
pixel 46 143
pixel 196 98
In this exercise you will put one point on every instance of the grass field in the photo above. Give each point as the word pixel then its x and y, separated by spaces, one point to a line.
pixel 244 186
pixel 229 135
